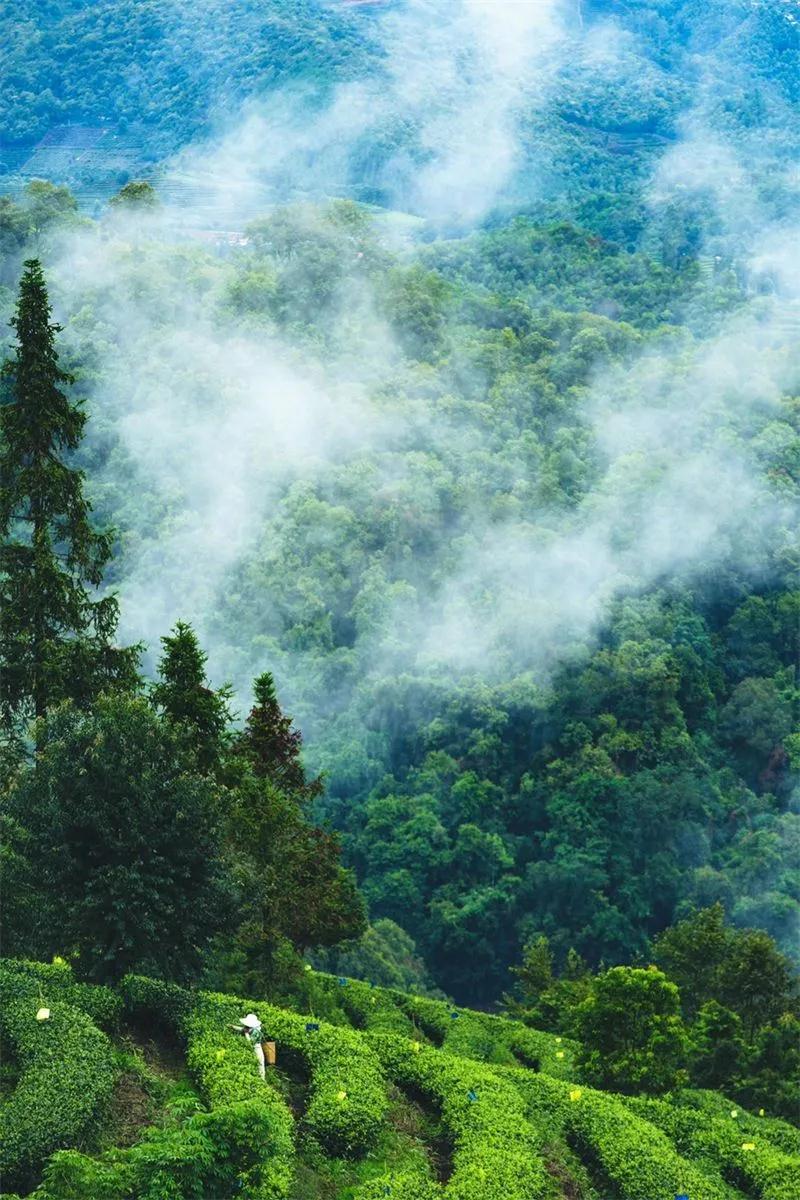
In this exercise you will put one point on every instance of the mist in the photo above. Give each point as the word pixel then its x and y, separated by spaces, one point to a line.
pixel 221 424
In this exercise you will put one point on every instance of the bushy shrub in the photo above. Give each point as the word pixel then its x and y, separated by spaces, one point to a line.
pixel 347 1097
pixel 403 1185
pixel 628 1153
pixel 459 1030
pixel 154 999
pixel 548 1052
pixel 66 1076
pixel 218 1153
pixel 743 1156
pixel 632 1036
pixel 495 1149
pixel 244 1108
pixel 100 1003
pixel 783 1136
pixel 372 1008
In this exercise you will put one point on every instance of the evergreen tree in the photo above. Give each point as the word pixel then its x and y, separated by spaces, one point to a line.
pixel 271 746
pixel 185 698
pixel 123 832
pixel 55 640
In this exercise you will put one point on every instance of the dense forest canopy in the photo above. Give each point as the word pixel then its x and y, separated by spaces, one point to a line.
pixel 491 460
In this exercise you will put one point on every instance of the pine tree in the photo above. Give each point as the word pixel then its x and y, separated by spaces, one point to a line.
pixel 55 639
pixel 271 745
pixel 185 698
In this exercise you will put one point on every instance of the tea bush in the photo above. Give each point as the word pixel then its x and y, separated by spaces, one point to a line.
pixel 495 1150
pixel 745 1158
pixel 66 1077
pixel 100 1003
pixel 347 1096
pixel 371 1008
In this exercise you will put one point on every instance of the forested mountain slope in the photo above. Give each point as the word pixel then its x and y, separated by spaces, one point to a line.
pixel 538 619
pixel 498 475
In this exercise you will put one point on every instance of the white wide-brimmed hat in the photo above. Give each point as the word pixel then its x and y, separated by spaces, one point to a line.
pixel 251 1021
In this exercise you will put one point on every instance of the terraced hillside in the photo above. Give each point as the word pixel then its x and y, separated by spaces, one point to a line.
pixel 146 1092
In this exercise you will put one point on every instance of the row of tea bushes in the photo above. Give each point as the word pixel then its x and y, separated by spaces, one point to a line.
pixel 102 1004
pixel 370 1007
pixel 780 1133
pixel 347 1091
pixel 747 1159
pixel 67 1074
pixel 495 1150
pixel 624 1151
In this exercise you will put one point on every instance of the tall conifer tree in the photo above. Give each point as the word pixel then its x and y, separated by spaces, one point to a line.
pixel 55 637
pixel 183 695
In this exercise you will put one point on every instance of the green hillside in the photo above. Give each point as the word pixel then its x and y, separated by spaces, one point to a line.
pixel 145 1092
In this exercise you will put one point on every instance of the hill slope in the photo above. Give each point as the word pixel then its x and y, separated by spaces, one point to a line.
pixel 375 1094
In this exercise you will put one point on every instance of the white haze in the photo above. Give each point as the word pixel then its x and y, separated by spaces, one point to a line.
pixel 456 72
pixel 682 488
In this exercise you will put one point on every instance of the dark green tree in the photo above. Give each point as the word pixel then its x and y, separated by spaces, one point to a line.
pixel 717 1047
pixel 757 981
pixel 535 974
pixel 123 831
pixel 183 695
pixel 271 746
pixel 55 637
pixel 291 885
pixel 772 1078
pixel 632 1036
pixel 137 195
pixel 692 952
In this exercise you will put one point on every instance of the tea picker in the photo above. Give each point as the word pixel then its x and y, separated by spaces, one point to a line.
pixel 252 1029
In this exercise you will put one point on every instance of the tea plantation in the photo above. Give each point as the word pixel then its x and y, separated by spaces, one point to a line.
pixel 147 1092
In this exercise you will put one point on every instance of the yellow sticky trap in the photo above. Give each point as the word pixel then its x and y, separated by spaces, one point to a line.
pixel 341 1095
pixel 559 1053
pixel 43 1014
pixel 575 1094
pixel 417 1046
pixel 761 1112
pixel 734 1112
pixel 220 1055
pixel 748 1145
pixel 308 966
pixel 58 961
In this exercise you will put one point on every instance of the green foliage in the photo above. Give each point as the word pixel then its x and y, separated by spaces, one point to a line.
pixel 384 954
pixel 632 1155
pixel 101 1004
pixel 243 1107
pixel 347 1096
pixel 154 999
pixel 746 1159
pixel 495 1151
pixel 244 46
pixel 66 1076
pixel 632 1036
pixel 741 968
pixel 124 832
pixel 503 1123
pixel 403 1184
pixel 55 640
pixel 272 746
pixel 137 195
pixel 371 1008
pixel 187 702
pixel 717 1046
